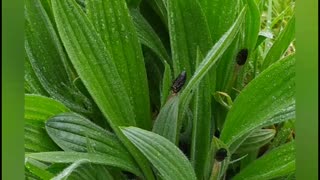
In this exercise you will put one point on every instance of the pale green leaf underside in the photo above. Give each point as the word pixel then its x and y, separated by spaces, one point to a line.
pixel 73 132
pixel 169 161
pixel 96 158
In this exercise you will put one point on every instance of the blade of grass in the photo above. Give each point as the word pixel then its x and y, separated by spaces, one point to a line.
pixel 252 25
pixel 166 84
pixel 281 44
pixel 200 143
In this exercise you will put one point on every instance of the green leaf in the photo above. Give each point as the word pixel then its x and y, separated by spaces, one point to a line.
pixel 276 163
pixel 92 62
pixel 148 36
pixel 212 57
pixel 115 26
pixel 31 81
pixel 73 132
pixel 281 44
pixel 36 139
pixel 133 3
pixel 267 99
pixel 96 158
pixel 283 134
pixel 37 168
pixel 223 98
pixel 37 110
pixel 160 7
pixel 164 155
pixel 30 176
pixel 64 175
pixel 97 71
pixel 200 143
pixel 47 58
pixel 256 140
pixel 91 171
pixel 188 30
pixel 40 108
pixel 252 25
pixel 154 69
pixel 167 119
pixel 214 169
pixel 83 170
pixel 166 84
pixel 166 124
pixel 221 15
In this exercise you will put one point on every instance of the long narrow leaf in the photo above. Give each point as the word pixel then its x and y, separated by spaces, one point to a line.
pixel 188 30
pixel 166 84
pixel 115 26
pixel 252 25
pixel 148 36
pixel 281 44
pixel 96 158
pixel 167 119
pixel 84 170
pixel 92 62
pixel 200 143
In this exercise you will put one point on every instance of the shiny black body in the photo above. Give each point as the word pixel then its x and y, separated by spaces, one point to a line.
pixel 242 57
pixel 221 154
pixel 179 82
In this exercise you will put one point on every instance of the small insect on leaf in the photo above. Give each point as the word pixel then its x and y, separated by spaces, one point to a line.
pixel 179 82
pixel 242 56
pixel 221 154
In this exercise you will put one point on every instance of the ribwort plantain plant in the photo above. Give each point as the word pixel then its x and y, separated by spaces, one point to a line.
pixel 159 89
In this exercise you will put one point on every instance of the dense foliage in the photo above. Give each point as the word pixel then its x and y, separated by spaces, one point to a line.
pixel 159 89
